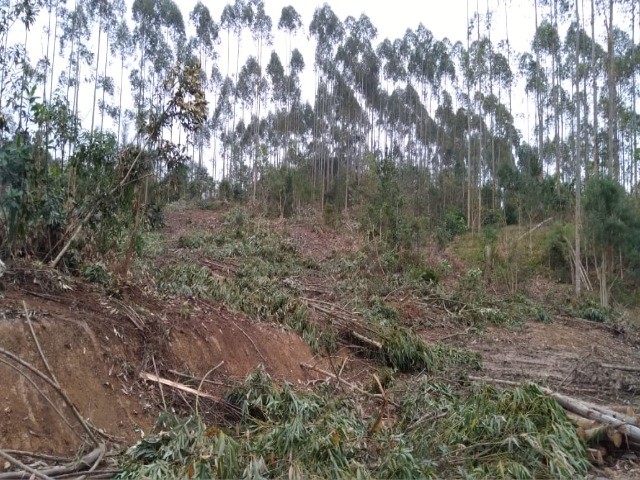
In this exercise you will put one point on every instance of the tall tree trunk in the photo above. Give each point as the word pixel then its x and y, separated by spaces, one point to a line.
pixel 104 76
pixel 594 88
pixel 120 101
pixel 95 81
pixel 539 106
pixel 578 170
pixel 634 161
pixel 612 163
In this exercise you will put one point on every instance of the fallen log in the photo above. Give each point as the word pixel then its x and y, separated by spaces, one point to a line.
pixel 596 434
pixel 576 406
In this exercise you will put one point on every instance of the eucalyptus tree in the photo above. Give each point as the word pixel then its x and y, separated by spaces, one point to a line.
pixel 249 88
pixel 204 41
pixel 261 32
pixel 75 35
pixel 290 22
pixel 577 163
pixel 207 32
pixel 278 79
pixel 394 58
pixel 157 24
pixel 613 166
pixel 105 13
pixel 230 20
pixel 537 84
pixel 328 31
pixel 124 47
pixel 221 117
pixel 360 69
pixel 14 64
pixel 55 9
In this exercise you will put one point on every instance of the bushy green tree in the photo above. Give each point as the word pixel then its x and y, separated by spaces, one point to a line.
pixel 612 227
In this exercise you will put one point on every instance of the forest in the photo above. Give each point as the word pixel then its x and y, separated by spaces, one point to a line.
pixel 419 198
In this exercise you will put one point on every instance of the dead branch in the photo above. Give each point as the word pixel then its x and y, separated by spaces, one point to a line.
pixel 573 370
pixel 427 417
pixel 534 229
pixel 202 382
pixel 331 375
pixel 178 386
pixel 25 468
pixel 155 369
pixel 367 340
pixel 75 468
pixel 376 425
pixel 41 456
pixel 250 339
pixel 35 339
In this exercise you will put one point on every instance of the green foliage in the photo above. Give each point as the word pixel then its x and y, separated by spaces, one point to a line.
pixel 195 240
pixel 489 433
pixel 558 248
pixel 182 449
pixel 384 215
pixel 330 215
pixel 97 273
pixel 592 311
pixel 188 280
pixel 611 219
pixel 452 223
pixel 404 351
pixel 484 433
pixel 278 186
pixel 471 286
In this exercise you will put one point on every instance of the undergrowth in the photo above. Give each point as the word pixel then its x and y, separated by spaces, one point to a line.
pixel 262 286
pixel 434 433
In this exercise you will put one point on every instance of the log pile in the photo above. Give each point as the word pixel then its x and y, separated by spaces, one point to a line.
pixel 606 430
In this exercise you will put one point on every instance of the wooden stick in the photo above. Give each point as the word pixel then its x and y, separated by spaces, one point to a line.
pixel 202 382
pixel 376 425
pixel 198 379
pixel 41 456
pixel 179 386
pixel 534 229
pixel 155 369
pixel 35 339
pixel 367 340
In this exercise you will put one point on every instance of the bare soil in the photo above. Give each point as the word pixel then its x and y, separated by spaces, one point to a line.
pixel 97 353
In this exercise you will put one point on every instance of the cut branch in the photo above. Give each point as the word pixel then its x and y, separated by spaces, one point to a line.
pixel 179 386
